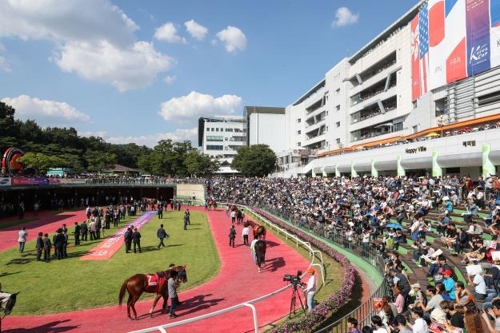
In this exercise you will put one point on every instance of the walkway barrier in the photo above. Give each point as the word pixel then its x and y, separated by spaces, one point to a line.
pixel 362 313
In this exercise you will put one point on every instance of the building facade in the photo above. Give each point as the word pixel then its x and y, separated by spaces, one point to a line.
pixel 420 98
pixel 220 137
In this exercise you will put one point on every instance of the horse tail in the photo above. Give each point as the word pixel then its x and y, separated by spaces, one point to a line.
pixel 122 292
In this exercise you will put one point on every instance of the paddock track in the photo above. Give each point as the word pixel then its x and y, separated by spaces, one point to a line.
pixel 237 281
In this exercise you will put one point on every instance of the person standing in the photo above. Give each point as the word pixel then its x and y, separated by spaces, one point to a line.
pixel 310 288
pixel 186 221
pixel 128 239
pixel 47 245
pixel 160 210
pixel 161 234
pixel 59 243
pixel 252 250
pixel 232 235
pixel 77 233
pixel 188 214
pixel 92 229
pixel 36 208
pixel 136 239
pixel 244 234
pixel 65 244
pixel 172 293
pixel 23 234
pixel 84 230
pixel 39 246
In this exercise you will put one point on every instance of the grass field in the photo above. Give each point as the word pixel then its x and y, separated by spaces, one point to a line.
pixel 72 284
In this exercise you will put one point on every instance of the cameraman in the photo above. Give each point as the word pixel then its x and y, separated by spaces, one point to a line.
pixel 310 288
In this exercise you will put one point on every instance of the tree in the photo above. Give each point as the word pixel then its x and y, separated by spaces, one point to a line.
pixel 256 160
pixel 98 161
pixel 41 162
pixel 200 164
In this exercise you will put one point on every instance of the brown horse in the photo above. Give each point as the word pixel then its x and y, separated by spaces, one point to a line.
pixel 139 283
pixel 211 204
pixel 259 232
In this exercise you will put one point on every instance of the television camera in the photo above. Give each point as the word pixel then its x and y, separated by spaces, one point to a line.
pixel 295 280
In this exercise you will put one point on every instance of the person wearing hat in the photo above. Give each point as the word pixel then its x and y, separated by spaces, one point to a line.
pixel 310 288
pixel 449 283
pixel 418 295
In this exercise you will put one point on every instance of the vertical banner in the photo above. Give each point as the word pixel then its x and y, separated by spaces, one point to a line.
pixel 353 172
pixel 337 172
pixel 436 168
pixel 416 90
pixel 488 166
pixel 400 170
pixel 423 49
pixel 447 42
pixel 374 170
pixel 478 35
pixel 495 33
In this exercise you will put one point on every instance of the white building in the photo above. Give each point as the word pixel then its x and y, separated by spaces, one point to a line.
pixel 413 100
pixel 220 137
pixel 266 125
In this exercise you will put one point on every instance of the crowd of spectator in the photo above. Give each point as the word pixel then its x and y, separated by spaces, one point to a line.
pixel 388 212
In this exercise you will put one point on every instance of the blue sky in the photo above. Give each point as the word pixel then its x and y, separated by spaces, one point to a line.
pixel 143 71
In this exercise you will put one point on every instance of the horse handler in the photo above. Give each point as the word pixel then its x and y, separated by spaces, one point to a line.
pixel 252 250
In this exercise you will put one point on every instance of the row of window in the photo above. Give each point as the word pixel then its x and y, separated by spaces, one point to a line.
pixel 217 129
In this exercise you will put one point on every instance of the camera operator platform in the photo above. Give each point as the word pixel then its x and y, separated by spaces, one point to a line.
pixel 295 282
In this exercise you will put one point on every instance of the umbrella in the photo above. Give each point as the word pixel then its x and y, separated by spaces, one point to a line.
pixel 394 226
pixel 432 135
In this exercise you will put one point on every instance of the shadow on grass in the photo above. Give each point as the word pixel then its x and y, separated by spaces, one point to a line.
pixel 48 327
pixel 8 274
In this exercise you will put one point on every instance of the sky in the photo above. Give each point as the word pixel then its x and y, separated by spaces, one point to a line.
pixel 145 70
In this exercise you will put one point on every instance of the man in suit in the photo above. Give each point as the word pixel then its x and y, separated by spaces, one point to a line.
pixel 77 233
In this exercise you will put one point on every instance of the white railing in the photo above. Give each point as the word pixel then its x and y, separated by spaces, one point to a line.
pixel 306 245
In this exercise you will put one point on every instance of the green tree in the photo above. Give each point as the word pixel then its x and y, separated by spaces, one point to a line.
pixel 99 161
pixel 41 162
pixel 200 164
pixel 256 160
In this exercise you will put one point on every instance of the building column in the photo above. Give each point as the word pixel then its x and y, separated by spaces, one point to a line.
pixel 437 171
pixel 400 170
pixel 374 170
pixel 488 166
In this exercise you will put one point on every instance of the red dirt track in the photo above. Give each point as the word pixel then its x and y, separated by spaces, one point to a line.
pixel 237 281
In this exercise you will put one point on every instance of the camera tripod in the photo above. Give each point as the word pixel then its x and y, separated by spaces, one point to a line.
pixel 293 301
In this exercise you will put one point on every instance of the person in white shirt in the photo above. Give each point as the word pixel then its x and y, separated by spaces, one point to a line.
pixel 310 288
pixel 244 234
pixel 419 325
pixel 23 234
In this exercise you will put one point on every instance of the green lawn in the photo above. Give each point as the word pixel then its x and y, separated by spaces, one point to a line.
pixel 72 284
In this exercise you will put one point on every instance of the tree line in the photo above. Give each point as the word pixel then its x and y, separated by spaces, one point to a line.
pixel 63 148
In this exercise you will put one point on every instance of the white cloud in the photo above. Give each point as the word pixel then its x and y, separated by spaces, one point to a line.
pixel 125 69
pixel 196 30
pixel 168 33
pixel 190 107
pixel 170 79
pixel 233 39
pixel 45 112
pixel 4 65
pixel 179 135
pixel 343 17
pixel 92 38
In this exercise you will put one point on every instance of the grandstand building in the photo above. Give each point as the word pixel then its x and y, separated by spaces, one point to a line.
pixel 422 97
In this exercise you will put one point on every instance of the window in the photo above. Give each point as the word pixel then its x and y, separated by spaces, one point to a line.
pixel 337 124
pixel 299 144
pixel 299 132
pixel 217 129
pixel 299 120
pixel 337 108
pixel 214 138
pixel 214 147
pixel 337 92
pixel 337 141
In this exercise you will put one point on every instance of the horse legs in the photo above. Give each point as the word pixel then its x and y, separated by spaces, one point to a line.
pixel 157 297
pixel 131 305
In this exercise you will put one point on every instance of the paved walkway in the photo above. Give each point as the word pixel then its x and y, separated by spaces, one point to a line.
pixel 237 281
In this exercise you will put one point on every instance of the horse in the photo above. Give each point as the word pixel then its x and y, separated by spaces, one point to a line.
pixel 7 302
pixel 260 253
pixel 211 204
pixel 139 283
pixel 259 232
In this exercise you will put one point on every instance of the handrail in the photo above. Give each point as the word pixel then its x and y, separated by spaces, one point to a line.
pixel 306 245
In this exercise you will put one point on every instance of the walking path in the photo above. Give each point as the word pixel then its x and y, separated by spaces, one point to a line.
pixel 237 281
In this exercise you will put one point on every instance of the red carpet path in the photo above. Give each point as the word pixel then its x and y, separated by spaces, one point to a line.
pixel 237 281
